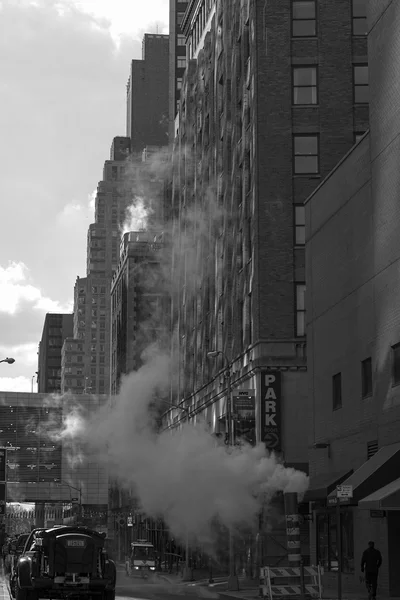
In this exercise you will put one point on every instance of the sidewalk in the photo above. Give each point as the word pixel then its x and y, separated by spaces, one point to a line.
pixel 4 591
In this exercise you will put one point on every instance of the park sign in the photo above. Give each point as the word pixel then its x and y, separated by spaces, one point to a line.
pixel 271 398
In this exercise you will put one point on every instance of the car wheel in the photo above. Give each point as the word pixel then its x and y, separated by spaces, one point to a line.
pixel 20 594
pixel 12 587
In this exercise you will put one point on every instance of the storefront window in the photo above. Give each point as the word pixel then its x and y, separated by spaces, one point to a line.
pixel 326 541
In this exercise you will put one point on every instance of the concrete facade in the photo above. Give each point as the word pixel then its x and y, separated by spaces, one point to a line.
pixel 177 60
pixel 39 467
pixel 139 303
pixel 92 303
pixel 56 328
pixel 147 95
pixel 353 316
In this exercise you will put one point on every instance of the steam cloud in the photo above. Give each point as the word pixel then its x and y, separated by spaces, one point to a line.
pixel 186 478
pixel 137 216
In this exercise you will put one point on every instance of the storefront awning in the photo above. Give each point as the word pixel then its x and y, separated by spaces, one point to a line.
pixel 322 485
pixel 386 498
pixel 375 473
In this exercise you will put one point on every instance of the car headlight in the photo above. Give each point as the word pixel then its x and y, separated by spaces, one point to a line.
pixel 152 568
pixel 137 568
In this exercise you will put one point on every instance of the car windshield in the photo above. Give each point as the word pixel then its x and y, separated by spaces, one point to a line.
pixel 143 552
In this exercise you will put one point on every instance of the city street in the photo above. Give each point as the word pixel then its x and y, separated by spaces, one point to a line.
pixel 167 586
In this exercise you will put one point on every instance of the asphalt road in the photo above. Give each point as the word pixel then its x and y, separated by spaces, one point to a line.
pixel 156 588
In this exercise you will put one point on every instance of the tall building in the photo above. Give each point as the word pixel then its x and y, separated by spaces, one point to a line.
pixel 353 328
pixel 86 365
pixel 56 328
pixel 273 97
pixel 177 59
pixel 139 302
pixel 147 95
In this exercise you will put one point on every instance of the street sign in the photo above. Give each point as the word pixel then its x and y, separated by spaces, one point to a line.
pixel 344 491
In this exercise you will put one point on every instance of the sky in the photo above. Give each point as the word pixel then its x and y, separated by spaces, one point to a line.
pixel 64 65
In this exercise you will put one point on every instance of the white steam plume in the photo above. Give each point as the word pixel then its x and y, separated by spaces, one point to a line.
pixel 187 478
pixel 137 216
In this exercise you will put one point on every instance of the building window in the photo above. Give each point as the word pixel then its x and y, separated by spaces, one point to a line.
pixel 337 391
pixel 305 85
pixel 359 8
pixel 181 40
pixel 300 309
pixel 304 22
pixel 300 225
pixel 396 364
pixel 326 541
pixel 179 17
pixel 366 377
pixel 361 88
pixel 181 62
pixel 179 83
pixel 305 154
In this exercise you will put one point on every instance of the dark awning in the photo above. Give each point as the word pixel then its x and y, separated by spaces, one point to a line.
pixel 375 473
pixel 322 485
pixel 386 498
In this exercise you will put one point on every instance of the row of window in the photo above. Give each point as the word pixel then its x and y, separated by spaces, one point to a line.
pixel 366 378
pixel 305 18
pixel 80 383
pixel 306 152
pixel 305 84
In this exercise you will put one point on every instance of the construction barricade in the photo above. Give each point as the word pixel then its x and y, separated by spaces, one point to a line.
pixel 279 582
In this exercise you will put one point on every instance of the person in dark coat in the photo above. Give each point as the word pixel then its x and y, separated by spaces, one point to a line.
pixel 370 563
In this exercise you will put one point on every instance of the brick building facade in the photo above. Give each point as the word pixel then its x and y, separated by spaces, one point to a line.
pixel 268 107
pixel 250 149
pixel 353 331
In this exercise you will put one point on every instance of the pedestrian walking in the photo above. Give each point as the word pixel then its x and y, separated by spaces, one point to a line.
pixel 370 563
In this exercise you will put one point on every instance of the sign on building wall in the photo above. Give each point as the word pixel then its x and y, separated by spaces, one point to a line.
pixel 271 397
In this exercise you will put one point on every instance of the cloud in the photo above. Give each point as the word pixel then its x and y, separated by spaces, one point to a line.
pixel 16 291
pixel 127 17
pixel 74 84
pixel 24 353
pixel 16 384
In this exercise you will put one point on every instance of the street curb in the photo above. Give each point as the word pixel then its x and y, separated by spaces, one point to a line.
pixel 228 596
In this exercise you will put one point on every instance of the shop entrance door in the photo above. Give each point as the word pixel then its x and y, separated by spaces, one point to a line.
pixel 393 552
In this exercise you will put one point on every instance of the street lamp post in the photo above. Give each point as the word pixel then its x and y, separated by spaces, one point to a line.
pixel 233 581
pixel 10 361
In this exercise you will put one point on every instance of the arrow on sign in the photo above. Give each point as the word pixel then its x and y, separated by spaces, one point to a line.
pixel 271 440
